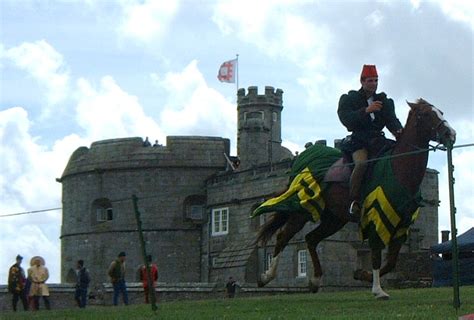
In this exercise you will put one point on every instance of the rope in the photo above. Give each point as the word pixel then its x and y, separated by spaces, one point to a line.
pixel 432 148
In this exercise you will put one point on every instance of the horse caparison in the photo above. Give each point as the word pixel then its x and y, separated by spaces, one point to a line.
pixel 425 123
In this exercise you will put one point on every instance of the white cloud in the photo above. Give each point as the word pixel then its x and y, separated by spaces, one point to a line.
pixel 43 63
pixel 276 28
pixel 27 183
pixel 109 112
pixel 147 20
pixel 374 19
pixel 281 30
pixel 459 10
pixel 193 108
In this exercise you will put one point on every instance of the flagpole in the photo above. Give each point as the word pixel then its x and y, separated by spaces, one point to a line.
pixel 237 73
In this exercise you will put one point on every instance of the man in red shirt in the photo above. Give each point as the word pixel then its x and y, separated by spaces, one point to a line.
pixel 144 278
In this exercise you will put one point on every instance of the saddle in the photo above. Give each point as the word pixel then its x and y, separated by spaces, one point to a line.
pixel 341 170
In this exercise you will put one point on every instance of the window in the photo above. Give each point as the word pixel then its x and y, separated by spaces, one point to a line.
pixel 102 210
pixel 194 208
pixel 275 117
pixel 220 221
pixel 268 260
pixel 196 212
pixel 104 214
pixel 254 115
pixel 302 257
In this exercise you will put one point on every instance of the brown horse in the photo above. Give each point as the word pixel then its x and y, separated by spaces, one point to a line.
pixel 424 123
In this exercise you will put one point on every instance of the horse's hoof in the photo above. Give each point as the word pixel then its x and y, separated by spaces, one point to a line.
pixel 379 294
pixel 260 284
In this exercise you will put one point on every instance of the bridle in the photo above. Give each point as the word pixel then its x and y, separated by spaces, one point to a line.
pixel 435 133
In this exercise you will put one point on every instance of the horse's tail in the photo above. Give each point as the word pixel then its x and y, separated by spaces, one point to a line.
pixel 268 229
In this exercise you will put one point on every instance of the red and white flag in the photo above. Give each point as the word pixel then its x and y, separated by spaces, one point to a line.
pixel 227 71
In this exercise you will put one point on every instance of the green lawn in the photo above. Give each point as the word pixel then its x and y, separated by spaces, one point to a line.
pixel 403 304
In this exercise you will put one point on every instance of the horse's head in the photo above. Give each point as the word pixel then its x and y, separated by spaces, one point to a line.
pixel 430 119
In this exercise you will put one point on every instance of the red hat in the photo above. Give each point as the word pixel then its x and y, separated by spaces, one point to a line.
pixel 368 71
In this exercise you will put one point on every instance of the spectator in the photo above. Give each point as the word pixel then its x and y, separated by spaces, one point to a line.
pixel 230 287
pixel 16 283
pixel 38 274
pixel 144 277
pixel 82 284
pixel 146 143
pixel 117 276
pixel 156 144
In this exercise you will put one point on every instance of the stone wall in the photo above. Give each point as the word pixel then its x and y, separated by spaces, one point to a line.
pixel 168 181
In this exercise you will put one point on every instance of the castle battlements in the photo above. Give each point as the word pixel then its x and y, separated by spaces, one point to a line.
pixel 271 96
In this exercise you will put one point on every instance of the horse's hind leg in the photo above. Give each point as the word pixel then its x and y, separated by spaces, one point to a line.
pixel 328 226
pixel 294 224
pixel 392 256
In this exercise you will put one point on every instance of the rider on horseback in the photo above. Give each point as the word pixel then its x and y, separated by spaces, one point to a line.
pixel 365 113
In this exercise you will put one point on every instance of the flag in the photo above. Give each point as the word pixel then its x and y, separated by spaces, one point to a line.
pixel 227 71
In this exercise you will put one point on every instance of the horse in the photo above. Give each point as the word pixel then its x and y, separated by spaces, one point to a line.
pixel 329 203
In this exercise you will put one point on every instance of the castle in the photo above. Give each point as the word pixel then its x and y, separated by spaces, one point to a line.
pixel 195 207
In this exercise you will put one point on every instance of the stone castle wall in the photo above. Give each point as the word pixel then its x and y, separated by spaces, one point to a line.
pixel 164 179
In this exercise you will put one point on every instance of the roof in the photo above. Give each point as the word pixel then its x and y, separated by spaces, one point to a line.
pixel 465 243
pixel 236 255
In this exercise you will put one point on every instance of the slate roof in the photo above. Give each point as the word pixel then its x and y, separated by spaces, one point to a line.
pixel 235 255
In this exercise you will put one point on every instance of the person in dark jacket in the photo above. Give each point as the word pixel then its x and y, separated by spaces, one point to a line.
pixel 117 276
pixel 365 113
pixel 82 284
pixel 16 283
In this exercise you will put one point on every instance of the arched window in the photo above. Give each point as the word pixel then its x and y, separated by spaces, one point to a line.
pixel 194 208
pixel 102 210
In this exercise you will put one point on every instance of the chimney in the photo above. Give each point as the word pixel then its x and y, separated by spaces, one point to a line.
pixel 444 235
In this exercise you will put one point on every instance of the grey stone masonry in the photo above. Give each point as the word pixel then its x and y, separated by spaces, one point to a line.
pixel 259 127
pixel 169 181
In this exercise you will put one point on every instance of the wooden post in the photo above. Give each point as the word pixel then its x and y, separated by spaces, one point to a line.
pixel 151 288
pixel 454 241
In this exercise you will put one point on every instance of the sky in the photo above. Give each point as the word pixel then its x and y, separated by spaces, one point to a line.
pixel 77 71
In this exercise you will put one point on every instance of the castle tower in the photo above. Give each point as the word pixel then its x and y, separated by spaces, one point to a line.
pixel 259 127
pixel 169 181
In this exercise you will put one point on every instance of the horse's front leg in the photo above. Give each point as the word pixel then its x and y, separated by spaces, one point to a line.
pixel 376 263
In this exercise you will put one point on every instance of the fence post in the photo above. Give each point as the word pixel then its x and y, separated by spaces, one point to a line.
pixel 151 288
pixel 454 242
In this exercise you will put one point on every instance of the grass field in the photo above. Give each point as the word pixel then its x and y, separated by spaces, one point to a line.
pixel 404 304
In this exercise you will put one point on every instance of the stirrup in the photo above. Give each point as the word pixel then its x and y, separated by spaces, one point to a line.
pixel 354 211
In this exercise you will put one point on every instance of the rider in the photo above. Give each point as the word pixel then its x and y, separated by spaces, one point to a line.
pixel 365 113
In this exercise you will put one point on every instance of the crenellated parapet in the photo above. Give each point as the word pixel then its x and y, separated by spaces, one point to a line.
pixel 271 96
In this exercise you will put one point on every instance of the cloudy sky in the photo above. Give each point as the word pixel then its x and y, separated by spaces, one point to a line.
pixel 74 72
